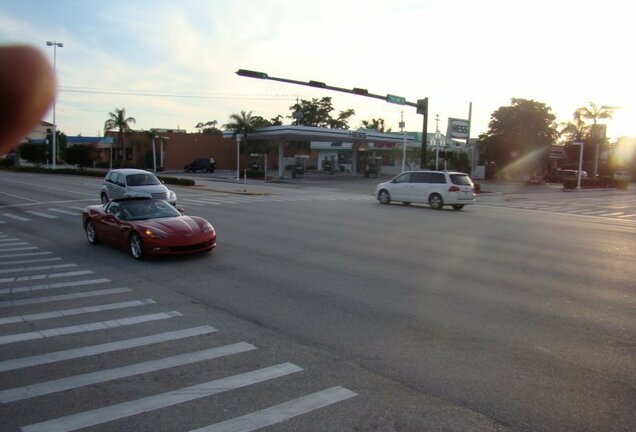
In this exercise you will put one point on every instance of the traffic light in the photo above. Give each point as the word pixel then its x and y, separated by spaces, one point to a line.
pixel 317 84
pixel 360 91
pixel 422 106
pixel 251 74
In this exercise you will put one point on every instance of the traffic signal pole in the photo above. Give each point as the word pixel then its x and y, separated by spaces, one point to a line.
pixel 421 105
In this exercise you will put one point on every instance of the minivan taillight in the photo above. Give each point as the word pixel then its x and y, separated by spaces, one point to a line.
pixel 453 189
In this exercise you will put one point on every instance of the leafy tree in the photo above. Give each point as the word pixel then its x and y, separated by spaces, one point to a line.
pixel 209 127
pixel 38 153
pixel 118 120
pixel 375 124
pixel 317 112
pixel 519 138
pixel 81 155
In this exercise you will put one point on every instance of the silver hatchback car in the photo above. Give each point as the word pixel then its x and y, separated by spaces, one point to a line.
pixel 437 188
pixel 120 182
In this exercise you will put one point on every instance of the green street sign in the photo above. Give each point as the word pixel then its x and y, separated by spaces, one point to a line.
pixel 395 99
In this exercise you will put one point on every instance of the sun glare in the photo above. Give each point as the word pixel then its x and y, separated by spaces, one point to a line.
pixel 622 124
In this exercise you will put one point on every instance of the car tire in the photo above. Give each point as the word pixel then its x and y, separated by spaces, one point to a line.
pixel 91 234
pixel 104 198
pixel 458 206
pixel 435 201
pixel 384 197
pixel 136 246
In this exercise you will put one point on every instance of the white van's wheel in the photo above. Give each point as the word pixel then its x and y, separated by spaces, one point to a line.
pixel 436 202
pixel 384 197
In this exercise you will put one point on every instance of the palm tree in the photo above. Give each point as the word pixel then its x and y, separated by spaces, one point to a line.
pixel 241 124
pixel 118 120
pixel 593 112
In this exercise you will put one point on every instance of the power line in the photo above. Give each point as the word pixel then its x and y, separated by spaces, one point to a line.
pixel 169 95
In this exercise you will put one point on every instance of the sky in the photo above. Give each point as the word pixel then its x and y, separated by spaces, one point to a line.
pixel 172 64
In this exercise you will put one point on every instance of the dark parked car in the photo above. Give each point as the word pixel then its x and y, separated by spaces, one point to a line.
pixel 564 174
pixel 204 164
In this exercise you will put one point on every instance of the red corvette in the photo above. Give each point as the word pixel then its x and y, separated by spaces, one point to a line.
pixel 147 227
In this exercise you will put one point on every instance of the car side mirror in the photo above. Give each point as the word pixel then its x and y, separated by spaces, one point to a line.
pixel 180 209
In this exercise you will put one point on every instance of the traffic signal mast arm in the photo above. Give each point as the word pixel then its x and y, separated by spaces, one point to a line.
pixel 421 105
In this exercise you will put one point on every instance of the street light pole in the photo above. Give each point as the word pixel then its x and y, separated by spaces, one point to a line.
pixel 54 44
pixel 578 181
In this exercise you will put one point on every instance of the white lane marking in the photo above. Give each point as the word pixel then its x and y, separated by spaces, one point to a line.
pixel 94 326
pixel 44 215
pixel 109 347
pixel 16 217
pixel 75 311
pixel 81 209
pixel 627 215
pixel 66 212
pixel 62 297
pixel 19 197
pixel 151 403
pixel 36 268
pixel 278 413
pixel 45 276
pixel 595 212
pixel 2 222
pixel 611 214
pixel 30 261
pixel 25 255
pixel 53 286
pixel 74 382
pixel 5 239
pixel 18 243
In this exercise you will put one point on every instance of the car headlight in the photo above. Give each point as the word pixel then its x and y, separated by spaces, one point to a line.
pixel 154 232
pixel 207 227
pixel 172 196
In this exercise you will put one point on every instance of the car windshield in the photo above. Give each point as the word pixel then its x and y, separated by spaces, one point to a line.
pixel 461 179
pixel 147 209
pixel 142 180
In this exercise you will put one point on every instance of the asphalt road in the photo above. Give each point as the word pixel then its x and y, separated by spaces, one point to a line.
pixel 497 317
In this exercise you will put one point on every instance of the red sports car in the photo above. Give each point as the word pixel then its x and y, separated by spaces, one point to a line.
pixel 147 227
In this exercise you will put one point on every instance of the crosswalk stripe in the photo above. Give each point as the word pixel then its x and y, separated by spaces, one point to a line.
pixel 75 311
pixel 36 268
pixel 627 215
pixel 45 276
pixel 74 382
pixel 66 212
pixel 16 217
pixel 75 353
pixel 5 239
pixel 29 261
pixel 53 286
pixel 18 243
pixel 281 412
pixel 61 297
pixel 151 403
pixel 44 215
pixel 94 326
pixel 17 249
pixel 25 254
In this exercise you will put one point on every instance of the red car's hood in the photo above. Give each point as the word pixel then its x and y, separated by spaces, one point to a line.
pixel 183 225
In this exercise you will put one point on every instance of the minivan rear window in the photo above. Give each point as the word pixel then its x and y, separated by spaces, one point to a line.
pixel 461 179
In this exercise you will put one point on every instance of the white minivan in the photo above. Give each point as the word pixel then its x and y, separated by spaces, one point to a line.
pixel 437 188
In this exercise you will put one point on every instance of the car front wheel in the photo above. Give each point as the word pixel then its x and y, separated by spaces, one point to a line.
pixel 384 197
pixel 91 235
pixel 136 247
pixel 436 202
